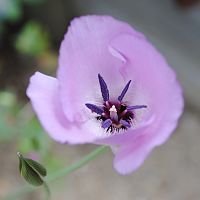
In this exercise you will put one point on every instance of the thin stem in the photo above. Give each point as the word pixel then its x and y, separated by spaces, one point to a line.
pixel 48 194
pixel 63 172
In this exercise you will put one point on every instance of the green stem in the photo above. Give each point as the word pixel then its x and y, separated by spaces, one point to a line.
pixel 46 188
pixel 63 172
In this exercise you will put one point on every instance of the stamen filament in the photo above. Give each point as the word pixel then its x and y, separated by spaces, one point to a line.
pixel 104 88
pixel 94 108
pixel 129 108
pixel 124 91
pixel 106 123
pixel 125 123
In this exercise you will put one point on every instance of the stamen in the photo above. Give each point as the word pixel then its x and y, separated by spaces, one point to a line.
pixel 136 107
pixel 94 108
pixel 113 113
pixel 124 112
pixel 104 88
pixel 124 91
pixel 106 123
pixel 125 123
pixel 107 104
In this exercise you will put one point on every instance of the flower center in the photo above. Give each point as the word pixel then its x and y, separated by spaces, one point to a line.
pixel 114 115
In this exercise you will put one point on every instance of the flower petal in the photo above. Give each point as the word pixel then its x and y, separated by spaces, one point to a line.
pixel 162 95
pixel 84 54
pixel 155 80
pixel 101 45
pixel 43 93
pixel 129 158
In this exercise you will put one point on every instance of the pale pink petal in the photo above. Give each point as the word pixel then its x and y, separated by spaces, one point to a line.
pixel 102 45
pixel 84 53
pixel 131 157
pixel 43 93
pixel 155 81
pixel 162 94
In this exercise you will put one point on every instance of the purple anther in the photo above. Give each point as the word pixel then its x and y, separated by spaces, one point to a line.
pixel 136 107
pixel 94 108
pixel 124 91
pixel 125 123
pixel 104 88
pixel 106 123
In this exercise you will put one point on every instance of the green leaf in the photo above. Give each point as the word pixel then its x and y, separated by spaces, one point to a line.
pixel 36 166
pixel 33 40
pixel 28 172
pixel 20 165
pixel 30 175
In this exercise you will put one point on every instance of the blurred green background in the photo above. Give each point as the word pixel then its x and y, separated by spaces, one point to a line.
pixel 30 35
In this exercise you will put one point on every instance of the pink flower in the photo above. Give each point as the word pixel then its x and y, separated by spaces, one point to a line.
pixel 112 87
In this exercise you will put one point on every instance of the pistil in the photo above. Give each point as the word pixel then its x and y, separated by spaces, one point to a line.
pixel 113 113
